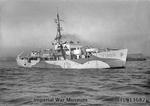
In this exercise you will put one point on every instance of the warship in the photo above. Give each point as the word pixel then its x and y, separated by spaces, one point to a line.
pixel 73 55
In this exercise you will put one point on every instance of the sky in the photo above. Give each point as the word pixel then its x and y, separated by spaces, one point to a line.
pixel 29 24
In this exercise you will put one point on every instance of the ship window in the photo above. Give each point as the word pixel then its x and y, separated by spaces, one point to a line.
pixel 73 49
pixel 59 50
pixel 67 49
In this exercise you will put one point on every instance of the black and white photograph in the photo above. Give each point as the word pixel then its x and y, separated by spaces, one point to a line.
pixel 74 52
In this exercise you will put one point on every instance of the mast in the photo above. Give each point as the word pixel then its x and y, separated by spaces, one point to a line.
pixel 59 28
pixel 59 35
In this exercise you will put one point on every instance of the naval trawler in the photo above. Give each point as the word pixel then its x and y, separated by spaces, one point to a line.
pixel 73 55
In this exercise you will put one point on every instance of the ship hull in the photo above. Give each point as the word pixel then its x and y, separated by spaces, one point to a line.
pixel 107 59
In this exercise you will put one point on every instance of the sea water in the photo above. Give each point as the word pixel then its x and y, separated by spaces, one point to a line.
pixel 128 86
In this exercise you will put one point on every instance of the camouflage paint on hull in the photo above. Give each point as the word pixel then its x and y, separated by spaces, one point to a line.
pixel 110 59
